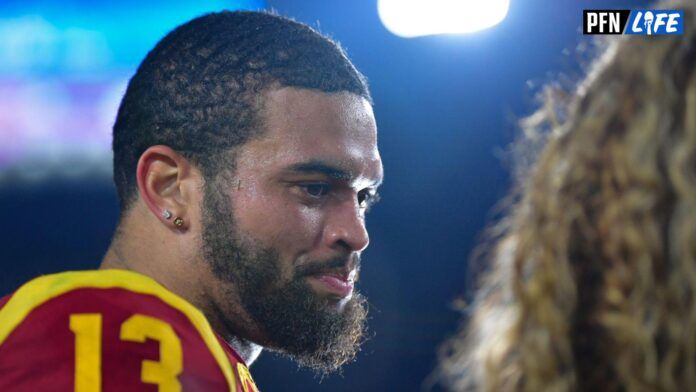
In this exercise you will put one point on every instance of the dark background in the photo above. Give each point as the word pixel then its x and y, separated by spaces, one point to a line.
pixel 446 109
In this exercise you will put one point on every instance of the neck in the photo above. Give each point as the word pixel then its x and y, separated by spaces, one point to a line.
pixel 118 256
pixel 230 324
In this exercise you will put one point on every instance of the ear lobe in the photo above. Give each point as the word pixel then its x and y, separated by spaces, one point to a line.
pixel 161 174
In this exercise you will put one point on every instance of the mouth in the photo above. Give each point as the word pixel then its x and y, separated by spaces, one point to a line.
pixel 338 284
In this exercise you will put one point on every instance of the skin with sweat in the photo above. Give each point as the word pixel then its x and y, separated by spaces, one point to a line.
pixel 299 192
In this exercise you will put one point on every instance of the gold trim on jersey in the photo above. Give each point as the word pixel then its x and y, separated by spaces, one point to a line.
pixel 44 288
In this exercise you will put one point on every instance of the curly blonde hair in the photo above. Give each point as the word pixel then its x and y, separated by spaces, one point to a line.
pixel 593 281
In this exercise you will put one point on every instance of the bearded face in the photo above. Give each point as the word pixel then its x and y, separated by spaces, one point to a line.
pixel 283 233
pixel 317 331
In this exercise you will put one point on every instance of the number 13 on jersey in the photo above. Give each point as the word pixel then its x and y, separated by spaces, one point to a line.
pixel 87 328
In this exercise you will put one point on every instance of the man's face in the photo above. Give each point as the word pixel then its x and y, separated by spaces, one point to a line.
pixel 285 232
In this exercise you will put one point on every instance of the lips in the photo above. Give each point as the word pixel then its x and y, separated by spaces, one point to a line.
pixel 338 284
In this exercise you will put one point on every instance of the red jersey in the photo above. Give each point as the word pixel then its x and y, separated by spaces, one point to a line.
pixel 111 330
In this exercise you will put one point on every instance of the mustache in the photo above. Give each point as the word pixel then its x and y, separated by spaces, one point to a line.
pixel 316 267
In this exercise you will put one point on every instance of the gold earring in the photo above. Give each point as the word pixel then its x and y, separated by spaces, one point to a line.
pixel 178 222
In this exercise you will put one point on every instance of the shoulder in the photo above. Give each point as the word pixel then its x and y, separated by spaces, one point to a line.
pixel 108 327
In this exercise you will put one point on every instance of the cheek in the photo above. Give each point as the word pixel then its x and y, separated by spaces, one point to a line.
pixel 276 221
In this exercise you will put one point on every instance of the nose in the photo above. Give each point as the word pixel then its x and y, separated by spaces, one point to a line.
pixel 346 228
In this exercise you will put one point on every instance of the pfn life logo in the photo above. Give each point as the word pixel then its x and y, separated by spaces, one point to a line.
pixel 636 22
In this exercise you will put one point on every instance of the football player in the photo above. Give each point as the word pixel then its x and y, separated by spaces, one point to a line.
pixel 245 159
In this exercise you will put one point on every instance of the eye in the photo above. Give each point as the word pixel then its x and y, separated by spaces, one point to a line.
pixel 316 190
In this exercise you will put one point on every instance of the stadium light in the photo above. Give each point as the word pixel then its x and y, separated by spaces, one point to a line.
pixel 415 18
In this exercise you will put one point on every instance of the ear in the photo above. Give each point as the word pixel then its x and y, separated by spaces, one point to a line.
pixel 166 182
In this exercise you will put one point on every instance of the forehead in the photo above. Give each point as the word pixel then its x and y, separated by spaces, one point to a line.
pixel 301 125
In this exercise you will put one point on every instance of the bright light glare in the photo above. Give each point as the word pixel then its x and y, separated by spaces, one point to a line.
pixel 415 18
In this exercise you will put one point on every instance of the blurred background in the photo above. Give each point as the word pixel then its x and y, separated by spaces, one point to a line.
pixel 446 107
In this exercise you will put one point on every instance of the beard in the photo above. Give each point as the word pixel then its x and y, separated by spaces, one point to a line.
pixel 294 319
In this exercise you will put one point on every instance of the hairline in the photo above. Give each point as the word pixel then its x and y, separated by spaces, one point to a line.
pixel 259 108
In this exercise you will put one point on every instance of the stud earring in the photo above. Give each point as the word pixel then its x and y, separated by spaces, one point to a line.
pixel 166 214
pixel 178 222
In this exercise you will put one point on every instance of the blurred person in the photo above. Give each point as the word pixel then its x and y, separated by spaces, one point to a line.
pixel 593 279
pixel 245 158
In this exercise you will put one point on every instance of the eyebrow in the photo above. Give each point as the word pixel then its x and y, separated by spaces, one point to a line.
pixel 325 168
